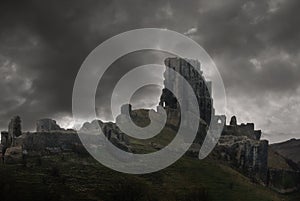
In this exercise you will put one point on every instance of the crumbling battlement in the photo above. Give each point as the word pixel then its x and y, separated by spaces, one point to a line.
pixel 241 130
pixel 46 125
pixel 109 129
pixel 50 138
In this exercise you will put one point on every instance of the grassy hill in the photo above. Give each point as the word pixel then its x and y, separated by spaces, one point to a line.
pixel 74 177
pixel 277 161
pixel 289 149
pixel 71 176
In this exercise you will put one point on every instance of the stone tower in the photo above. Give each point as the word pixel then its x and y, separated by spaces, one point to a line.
pixel 8 139
pixel 195 78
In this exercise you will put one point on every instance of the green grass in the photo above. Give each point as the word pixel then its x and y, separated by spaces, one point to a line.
pixel 70 176
pixel 74 177
pixel 276 161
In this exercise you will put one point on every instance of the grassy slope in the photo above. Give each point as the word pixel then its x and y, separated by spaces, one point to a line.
pixel 276 161
pixel 289 149
pixel 74 177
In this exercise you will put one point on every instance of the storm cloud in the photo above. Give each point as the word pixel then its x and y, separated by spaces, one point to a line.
pixel 255 44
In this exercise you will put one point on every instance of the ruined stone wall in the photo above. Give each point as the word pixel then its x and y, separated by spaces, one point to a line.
pixel 248 156
pixel 14 127
pixel 241 147
pixel 195 78
pixel 46 125
pixel 40 141
pixel 4 138
pixel 241 130
pixel 109 129
pixel 43 143
pixel 14 130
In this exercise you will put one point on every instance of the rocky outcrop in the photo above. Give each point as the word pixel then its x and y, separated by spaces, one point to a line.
pixel 251 157
pixel 109 129
pixel 248 156
pixel 13 155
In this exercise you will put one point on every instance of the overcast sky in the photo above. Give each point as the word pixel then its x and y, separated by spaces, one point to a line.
pixel 255 44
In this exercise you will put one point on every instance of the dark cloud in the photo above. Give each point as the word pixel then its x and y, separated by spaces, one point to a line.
pixel 255 44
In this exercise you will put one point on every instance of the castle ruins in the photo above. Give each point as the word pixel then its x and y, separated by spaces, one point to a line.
pixel 240 145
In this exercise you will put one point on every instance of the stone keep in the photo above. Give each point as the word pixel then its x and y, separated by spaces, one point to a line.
pixel 202 88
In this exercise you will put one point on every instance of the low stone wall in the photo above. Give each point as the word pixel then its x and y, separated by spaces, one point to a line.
pixel 39 141
pixel 55 142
